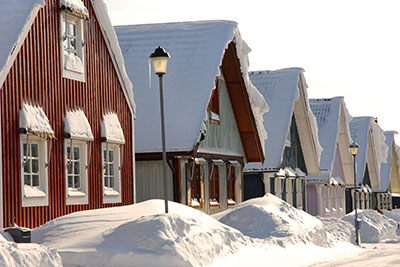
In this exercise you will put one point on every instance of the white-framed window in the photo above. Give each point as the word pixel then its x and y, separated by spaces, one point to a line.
pixel 76 172
pixel 111 172
pixel 34 183
pixel 72 47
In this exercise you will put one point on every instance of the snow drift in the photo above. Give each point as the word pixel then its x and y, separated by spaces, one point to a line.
pixel 140 235
pixel 13 254
pixel 375 227
pixel 276 222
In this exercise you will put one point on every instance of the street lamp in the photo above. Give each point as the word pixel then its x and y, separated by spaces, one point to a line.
pixel 354 150
pixel 160 60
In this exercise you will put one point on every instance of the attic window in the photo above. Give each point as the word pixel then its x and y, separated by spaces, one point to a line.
pixel 214 106
pixel 72 38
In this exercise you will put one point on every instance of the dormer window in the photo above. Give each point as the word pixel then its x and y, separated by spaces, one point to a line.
pixel 73 15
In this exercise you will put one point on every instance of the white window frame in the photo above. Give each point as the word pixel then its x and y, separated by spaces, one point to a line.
pixel 80 51
pixel 112 195
pixel 37 195
pixel 75 196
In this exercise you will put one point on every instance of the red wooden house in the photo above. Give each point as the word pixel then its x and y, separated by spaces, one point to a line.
pixel 67 112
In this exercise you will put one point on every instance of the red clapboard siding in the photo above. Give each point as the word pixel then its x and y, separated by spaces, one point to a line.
pixel 36 77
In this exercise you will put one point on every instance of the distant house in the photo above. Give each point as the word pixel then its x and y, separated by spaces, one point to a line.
pixel 382 197
pixel 67 109
pixel 213 112
pixel 366 132
pixel 292 149
pixel 394 183
pixel 326 191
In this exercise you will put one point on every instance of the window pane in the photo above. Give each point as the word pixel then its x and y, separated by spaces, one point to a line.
pixel 35 150
pixel 69 167
pixel 35 166
pixel 70 180
pixel 71 29
pixel 76 168
pixel 111 166
pixel 72 44
pixel 27 166
pixel 106 181
pixel 105 155
pixel 76 153
pixel 112 182
pixel 111 156
pixel 35 180
pixel 27 179
pixel 106 170
pixel 25 150
pixel 77 182
pixel 68 152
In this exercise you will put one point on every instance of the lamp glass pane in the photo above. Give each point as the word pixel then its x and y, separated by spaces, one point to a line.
pixel 160 64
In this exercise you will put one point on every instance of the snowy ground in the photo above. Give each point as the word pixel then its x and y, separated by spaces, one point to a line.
pixel 260 232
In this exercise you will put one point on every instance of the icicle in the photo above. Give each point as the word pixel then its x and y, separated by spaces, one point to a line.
pixel 149 74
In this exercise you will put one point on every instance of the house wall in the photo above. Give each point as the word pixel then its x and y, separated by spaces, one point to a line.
pixel 150 181
pixel 223 138
pixel 312 199
pixel 36 76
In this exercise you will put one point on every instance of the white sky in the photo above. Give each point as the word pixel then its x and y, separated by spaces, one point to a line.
pixel 348 48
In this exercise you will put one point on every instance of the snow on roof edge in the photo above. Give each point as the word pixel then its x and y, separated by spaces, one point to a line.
pixel 101 11
pixel 259 105
pixel 21 38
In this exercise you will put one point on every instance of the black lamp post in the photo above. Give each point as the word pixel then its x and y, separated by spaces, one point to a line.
pixel 160 60
pixel 354 150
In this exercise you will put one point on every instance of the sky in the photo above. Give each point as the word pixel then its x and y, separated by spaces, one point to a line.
pixel 348 48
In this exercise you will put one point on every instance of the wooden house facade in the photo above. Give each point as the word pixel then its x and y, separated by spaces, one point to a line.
pixel 326 191
pixel 292 149
pixel 67 112
pixel 211 112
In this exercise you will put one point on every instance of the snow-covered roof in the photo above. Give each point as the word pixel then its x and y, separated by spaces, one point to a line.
pixel 327 112
pixel 77 125
pixel 33 120
pixel 386 166
pixel 281 89
pixel 111 129
pixel 16 18
pixel 360 128
pixel 197 50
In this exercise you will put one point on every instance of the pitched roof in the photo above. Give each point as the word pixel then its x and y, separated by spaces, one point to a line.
pixel 281 89
pixel 197 51
pixel 16 19
pixel 328 113
pixel 366 132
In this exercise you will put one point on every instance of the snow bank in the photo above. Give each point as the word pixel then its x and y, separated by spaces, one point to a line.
pixel 13 254
pixel 375 227
pixel 140 235
pixel 276 222
pixel 339 230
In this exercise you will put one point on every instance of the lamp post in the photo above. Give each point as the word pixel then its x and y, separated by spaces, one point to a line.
pixel 160 60
pixel 354 150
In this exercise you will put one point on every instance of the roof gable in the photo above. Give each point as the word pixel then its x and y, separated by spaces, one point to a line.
pixel 285 92
pixel 333 129
pixel 197 51
pixel 373 150
pixel 16 18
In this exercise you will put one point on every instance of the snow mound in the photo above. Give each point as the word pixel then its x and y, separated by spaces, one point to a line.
pixel 339 230
pixel 375 227
pixel 276 222
pixel 13 254
pixel 123 237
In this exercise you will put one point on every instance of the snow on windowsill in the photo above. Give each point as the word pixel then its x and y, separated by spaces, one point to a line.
pixel 214 203
pixel 108 191
pixel 72 192
pixel 195 203
pixel 214 116
pixel 73 63
pixel 33 191
pixel 231 202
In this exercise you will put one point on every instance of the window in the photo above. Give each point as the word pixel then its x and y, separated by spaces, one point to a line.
pixel 214 185
pixel 272 185
pixel 194 172
pixel 294 192
pixel 113 139
pixel 214 106
pixel 35 137
pixel 231 184
pixel 73 59
pixel 283 189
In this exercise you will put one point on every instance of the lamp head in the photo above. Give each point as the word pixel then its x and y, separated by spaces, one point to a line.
pixel 160 60
pixel 354 148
